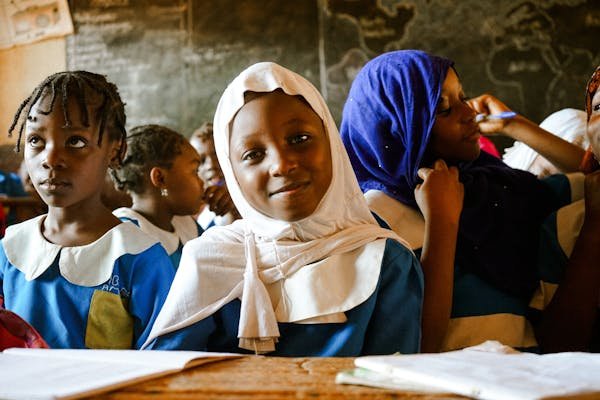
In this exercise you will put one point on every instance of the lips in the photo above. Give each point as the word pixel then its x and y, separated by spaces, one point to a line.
pixel 290 188
pixel 53 184
pixel 474 135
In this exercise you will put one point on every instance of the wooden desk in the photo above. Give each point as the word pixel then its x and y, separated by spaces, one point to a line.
pixel 262 378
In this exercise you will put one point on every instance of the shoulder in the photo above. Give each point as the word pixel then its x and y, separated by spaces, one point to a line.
pixel 390 213
pixel 186 227
pixel 399 260
pixel 568 187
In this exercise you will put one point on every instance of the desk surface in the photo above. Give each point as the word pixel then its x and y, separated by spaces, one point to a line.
pixel 262 378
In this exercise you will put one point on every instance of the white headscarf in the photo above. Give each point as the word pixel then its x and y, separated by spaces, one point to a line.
pixel 569 124
pixel 307 271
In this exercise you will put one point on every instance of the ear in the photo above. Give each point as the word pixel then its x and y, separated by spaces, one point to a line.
pixel 157 177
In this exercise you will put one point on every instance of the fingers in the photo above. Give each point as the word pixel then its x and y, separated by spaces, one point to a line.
pixel 424 172
pixel 440 165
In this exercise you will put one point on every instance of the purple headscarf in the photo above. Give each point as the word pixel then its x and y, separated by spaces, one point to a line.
pixel 386 128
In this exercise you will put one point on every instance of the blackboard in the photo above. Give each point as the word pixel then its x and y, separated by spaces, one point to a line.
pixel 172 59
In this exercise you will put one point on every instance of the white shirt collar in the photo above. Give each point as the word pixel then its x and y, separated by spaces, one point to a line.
pixel 185 228
pixel 87 265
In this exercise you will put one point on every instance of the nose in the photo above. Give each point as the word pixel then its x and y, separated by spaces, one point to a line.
pixel 54 158
pixel 283 162
pixel 469 113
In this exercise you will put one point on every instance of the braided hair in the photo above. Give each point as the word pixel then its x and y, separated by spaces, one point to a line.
pixel 148 146
pixel 81 85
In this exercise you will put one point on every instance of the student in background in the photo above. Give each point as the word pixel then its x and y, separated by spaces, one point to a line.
pixel 406 109
pixel 219 209
pixel 37 205
pixel 79 275
pixel 307 271
pixel 160 173
pixel 10 186
pixel 569 124
pixel 569 258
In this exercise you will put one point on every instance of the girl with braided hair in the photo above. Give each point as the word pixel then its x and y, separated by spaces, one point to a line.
pixel 77 274
pixel 160 173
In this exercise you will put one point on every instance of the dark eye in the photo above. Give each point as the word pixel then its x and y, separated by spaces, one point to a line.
pixel 76 142
pixel 596 107
pixel 443 107
pixel 252 155
pixel 35 141
pixel 300 138
pixel 443 111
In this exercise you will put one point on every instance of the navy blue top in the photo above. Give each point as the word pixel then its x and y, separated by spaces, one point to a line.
pixel 388 321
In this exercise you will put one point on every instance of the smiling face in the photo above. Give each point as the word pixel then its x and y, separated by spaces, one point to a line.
pixel 455 135
pixel 67 166
pixel 280 156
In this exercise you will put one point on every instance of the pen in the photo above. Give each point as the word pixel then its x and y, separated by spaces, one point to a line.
pixel 502 115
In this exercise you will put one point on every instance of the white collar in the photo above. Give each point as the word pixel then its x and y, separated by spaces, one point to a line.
pixel 185 228
pixel 406 221
pixel 87 265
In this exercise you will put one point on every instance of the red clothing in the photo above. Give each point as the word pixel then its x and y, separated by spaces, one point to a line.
pixel 488 146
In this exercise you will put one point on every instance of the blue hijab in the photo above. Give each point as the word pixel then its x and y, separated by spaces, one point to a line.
pixel 386 127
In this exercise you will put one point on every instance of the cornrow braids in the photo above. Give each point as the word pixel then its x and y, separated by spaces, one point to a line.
pixel 148 146
pixel 81 84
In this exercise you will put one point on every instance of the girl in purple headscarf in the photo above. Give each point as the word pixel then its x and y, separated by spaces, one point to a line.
pixel 406 110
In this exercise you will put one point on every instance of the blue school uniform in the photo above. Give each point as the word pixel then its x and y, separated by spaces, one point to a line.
pixel 480 310
pixel 11 186
pixel 185 229
pixel 387 322
pixel 106 294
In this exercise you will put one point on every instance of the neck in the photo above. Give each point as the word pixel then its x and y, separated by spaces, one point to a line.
pixel 154 210
pixel 77 226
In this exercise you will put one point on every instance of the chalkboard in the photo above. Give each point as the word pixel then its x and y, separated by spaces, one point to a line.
pixel 172 59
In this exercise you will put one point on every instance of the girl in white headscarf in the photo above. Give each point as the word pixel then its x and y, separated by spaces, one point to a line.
pixel 307 271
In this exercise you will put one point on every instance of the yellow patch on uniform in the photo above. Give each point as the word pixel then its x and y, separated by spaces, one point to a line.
pixel 509 329
pixel 109 324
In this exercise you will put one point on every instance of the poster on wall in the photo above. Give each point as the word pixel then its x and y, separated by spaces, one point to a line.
pixel 28 21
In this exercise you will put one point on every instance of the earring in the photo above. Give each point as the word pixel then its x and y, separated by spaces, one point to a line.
pixel 164 192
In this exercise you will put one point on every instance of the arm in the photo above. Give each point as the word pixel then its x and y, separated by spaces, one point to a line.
pixel 575 303
pixel 564 155
pixel 440 198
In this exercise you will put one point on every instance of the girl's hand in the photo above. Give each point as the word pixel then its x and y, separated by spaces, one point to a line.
pixel 488 104
pixel 592 198
pixel 441 194
pixel 218 200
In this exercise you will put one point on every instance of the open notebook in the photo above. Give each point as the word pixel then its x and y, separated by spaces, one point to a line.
pixel 487 371
pixel 68 374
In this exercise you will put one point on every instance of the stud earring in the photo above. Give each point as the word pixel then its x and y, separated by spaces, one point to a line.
pixel 164 192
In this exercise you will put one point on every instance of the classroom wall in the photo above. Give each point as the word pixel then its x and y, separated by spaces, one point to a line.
pixel 21 69
pixel 172 59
